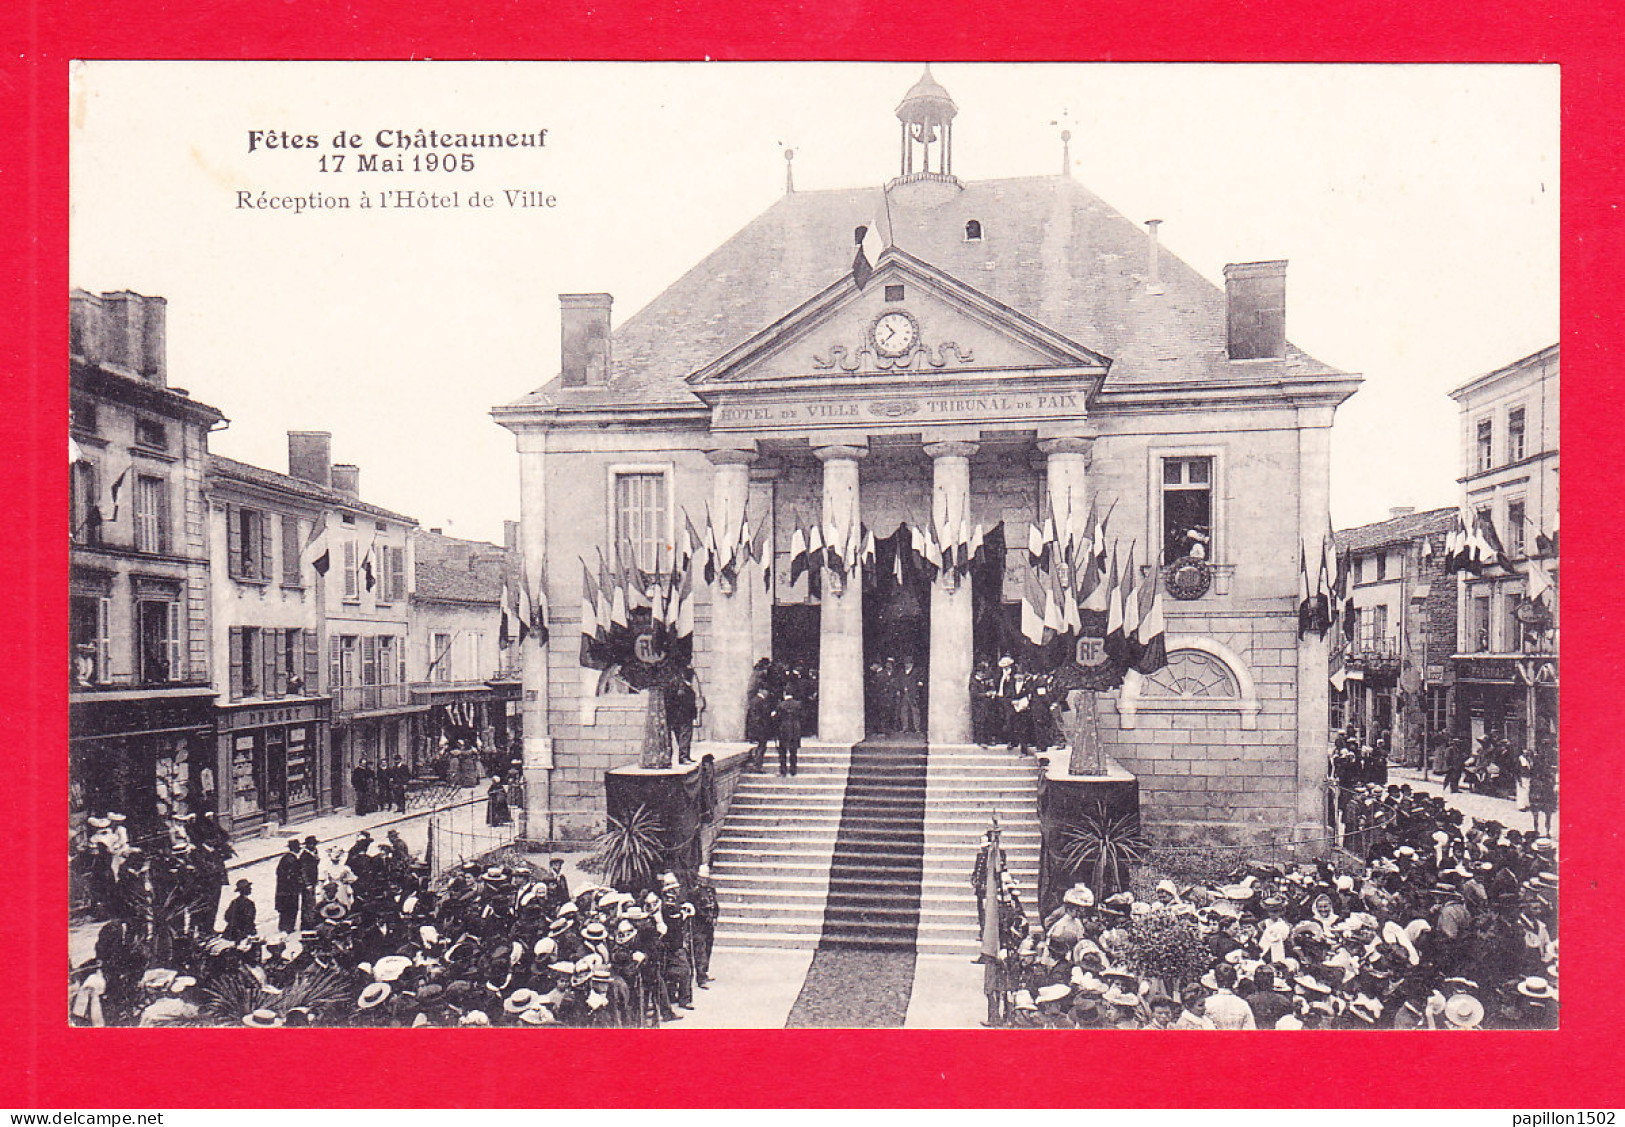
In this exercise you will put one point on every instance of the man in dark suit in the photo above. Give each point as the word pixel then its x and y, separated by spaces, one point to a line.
pixel 310 864
pixel 361 785
pixel 789 720
pixel 290 887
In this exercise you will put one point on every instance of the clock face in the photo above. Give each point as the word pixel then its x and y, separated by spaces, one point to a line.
pixel 894 333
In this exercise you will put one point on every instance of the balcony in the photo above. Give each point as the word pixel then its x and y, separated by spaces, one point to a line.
pixel 1374 654
pixel 370 698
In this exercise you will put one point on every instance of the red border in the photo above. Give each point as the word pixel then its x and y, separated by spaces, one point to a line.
pixel 50 1066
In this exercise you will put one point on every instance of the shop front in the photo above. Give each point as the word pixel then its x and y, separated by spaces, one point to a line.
pixel 1510 698
pixel 143 754
pixel 467 728
pixel 273 762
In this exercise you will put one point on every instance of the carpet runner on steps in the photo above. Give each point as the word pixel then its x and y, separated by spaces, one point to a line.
pixel 862 973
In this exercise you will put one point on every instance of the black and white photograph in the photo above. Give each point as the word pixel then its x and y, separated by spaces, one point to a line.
pixel 813 545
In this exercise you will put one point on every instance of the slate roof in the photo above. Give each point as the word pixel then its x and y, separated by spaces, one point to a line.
pixel 450 569
pixel 1399 530
pixel 1051 249
pixel 229 467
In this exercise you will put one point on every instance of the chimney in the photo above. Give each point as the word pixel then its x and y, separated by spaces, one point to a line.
pixel 85 313
pixel 154 364
pixel 132 334
pixel 510 535
pixel 1153 268
pixel 586 338
pixel 438 531
pixel 347 479
pixel 1400 511
pixel 1255 303
pixel 310 456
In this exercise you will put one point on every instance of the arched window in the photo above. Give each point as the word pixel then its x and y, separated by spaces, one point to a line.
pixel 1201 676
pixel 973 231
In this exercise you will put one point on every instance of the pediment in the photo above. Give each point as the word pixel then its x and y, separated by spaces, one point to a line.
pixel 910 321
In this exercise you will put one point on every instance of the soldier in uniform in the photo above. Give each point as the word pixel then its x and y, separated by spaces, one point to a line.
pixel 706 911
pixel 677 960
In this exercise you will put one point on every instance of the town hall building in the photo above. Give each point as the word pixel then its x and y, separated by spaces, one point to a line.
pixel 1019 349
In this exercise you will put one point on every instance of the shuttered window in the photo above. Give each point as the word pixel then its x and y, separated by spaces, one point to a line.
pixel 235 646
pixel 640 517
pixel 313 672
pixel 397 573
pixel 369 660
pixel 292 573
pixel 151 514
pixel 352 579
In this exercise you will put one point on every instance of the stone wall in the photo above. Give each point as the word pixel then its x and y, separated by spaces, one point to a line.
pixel 1205 775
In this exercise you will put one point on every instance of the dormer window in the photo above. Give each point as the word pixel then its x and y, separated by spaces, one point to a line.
pixel 973 231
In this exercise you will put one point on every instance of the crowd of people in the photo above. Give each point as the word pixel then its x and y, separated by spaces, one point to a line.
pixel 365 938
pixel 1013 706
pixel 1451 924
pixel 782 707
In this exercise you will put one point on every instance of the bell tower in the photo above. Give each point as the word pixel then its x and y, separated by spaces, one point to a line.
pixel 927 115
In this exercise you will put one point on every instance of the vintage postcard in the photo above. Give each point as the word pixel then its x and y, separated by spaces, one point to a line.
pixel 861 545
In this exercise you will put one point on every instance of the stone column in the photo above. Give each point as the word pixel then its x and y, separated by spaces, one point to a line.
pixel 537 825
pixel 1066 472
pixel 731 638
pixel 1066 475
pixel 1314 496
pixel 951 619
pixel 840 644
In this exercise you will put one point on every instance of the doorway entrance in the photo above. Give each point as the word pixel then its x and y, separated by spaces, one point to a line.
pixel 796 632
pixel 896 641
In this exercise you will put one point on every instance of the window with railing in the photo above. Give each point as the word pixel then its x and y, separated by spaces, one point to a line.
pixel 158 639
pixel 1517 521
pixel 1187 508
pixel 1486 445
pixel 249 544
pixel 89 638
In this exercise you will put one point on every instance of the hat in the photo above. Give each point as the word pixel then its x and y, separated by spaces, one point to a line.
pixel 391 967
pixel 429 994
pixel 1312 984
pixel 1024 1000
pixel 600 972
pixel 562 967
pixel 99 823
pixel 559 926
pixel 263 1019
pixel 1117 997
pixel 496 874
pixel 1006 661
pixel 1464 1011
pixel 474 1017
pixel 520 1001
pixel 634 913
pixel 595 932
pixel 1536 987
pixel 1169 887
pixel 181 983
pixel 116 816
pixel 245 886
pixel 1079 896
pixel 1236 891
pixel 157 979
pixel 569 907
pixel 373 995
pixel 538 1015
pixel 545 948
pixel 1366 1008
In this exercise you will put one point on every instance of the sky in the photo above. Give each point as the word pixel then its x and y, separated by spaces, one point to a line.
pixel 1417 206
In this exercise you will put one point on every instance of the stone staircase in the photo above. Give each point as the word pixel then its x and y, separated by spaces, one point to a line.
pixel 902 874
